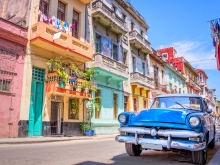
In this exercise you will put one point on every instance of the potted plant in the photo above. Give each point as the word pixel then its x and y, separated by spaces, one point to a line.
pixel 56 66
pixel 63 77
pixel 86 127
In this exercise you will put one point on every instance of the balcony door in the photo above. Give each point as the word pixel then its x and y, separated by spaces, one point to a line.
pixel 61 11
pixel 44 7
pixel 75 30
pixel 156 76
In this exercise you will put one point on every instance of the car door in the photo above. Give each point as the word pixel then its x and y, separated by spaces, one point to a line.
pixel 209 121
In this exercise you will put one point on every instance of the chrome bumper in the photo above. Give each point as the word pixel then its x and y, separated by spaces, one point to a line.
pixel 166 142
pixel 165 133
pixel 169 143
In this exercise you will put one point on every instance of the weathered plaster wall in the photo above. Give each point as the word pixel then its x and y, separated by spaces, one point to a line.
pixel 9 118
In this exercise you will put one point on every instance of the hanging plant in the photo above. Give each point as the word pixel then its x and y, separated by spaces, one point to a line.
pixel 74 109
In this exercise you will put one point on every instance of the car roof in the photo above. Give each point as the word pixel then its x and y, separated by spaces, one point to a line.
pixel 179 95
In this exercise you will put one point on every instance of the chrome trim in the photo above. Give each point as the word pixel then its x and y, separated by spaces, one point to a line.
pixel 166 133
pixel 177 144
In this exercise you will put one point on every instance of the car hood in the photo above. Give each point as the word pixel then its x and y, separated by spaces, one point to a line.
pixel 162 116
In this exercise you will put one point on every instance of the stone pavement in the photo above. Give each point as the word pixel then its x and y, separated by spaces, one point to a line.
pixel 41 139
pixel 216 158
pixel 28 140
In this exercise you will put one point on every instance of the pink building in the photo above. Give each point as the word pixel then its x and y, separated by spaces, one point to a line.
pixel 13 41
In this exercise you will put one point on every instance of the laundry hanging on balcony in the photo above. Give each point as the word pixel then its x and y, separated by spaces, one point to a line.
pixel 55 22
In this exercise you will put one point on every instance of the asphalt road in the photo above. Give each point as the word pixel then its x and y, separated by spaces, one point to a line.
pixel 90 152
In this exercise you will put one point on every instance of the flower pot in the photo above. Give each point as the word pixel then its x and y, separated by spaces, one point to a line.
pixel 89 132
pixel 62 84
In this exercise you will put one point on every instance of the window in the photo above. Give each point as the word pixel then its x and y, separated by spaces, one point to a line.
pixel 97 112
pixel 142 32
pixel 44 7
pixel 171 88
pixel 97 43
pixel 73 109
pixel 75 30
pixel 115 51
pixel 165 56
pixel 124 57
pixel 5 85
pixel 147 67
pixel 114 8
pixel 61 11
pixel 143 67
pixel 125 103
pixel 135 104
pixel 132 26
pixel 123 17
pixel 179 90
pixel 134 63
pixel 145 104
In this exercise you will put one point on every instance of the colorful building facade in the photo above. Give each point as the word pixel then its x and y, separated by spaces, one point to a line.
pixel 13 40
pixel 109 63
pixel 174 80
pixel 182 65
pixel 49 106
pixel 158 72
pixel 207 93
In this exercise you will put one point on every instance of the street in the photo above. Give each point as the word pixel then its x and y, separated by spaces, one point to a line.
pixel 87 152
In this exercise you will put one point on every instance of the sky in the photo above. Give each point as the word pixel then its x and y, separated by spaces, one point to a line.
pixel 184 25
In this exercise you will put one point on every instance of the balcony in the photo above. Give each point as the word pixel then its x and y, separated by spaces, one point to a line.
pixel 159 86
pixel 139 42
pixel 73 89
pixel 142 80
pixel 131 10
pixel 42 36
pixel 192 84
pixel 109 64
pixel 106 16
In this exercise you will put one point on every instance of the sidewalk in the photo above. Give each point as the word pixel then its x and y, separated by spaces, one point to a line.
pixel 41 139
pixel 216 158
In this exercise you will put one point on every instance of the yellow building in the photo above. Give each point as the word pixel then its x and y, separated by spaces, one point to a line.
pixel 56 29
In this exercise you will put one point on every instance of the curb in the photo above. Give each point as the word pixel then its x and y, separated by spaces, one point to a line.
pixel 54 140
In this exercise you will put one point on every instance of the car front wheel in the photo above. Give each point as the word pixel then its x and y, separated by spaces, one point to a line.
pixel 200 157
pixel 132 149
pixel 212 143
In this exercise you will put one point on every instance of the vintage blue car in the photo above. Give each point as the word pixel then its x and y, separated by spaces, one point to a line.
pixel 173 122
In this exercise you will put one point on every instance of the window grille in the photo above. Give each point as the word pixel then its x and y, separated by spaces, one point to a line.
pixel 38 74
pixel 5 85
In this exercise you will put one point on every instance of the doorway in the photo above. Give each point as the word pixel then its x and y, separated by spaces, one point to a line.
pixel 36 102
pixel 56 121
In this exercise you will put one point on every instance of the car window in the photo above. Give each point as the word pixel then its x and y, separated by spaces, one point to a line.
pixel 179 102
pixel 205 107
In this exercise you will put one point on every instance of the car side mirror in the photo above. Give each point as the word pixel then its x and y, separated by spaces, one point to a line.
pixel 209 111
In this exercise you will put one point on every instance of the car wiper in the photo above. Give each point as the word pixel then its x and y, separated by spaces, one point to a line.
pixel 184 106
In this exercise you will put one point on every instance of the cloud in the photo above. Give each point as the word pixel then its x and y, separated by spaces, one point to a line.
pixel 196 53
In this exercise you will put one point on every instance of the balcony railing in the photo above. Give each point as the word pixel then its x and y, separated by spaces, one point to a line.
pixel 42 36
pixel 159 86
pixel 139 78
pixel 72 88
pixel 105 62
pixel 101 6
pixel 192 83
pixel 143 41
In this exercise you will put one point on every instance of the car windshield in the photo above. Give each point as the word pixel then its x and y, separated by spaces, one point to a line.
pixel 177 103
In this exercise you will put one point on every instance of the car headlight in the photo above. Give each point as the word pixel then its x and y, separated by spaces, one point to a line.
pixel 122 118
pixel 194 121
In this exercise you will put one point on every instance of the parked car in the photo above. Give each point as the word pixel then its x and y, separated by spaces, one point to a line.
pixel 173 122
